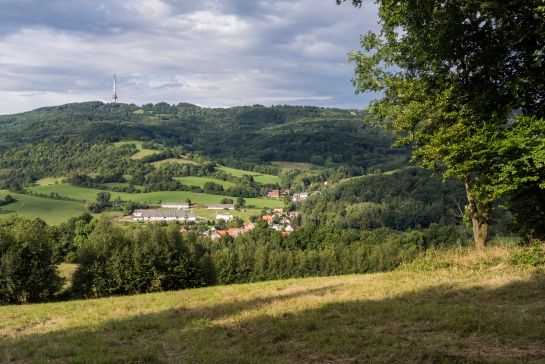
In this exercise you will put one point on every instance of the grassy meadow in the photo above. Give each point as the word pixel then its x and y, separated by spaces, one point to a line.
pixel 142 152
pixel 479 309
pixel 200 181
pixel 53 212
pixel 258 177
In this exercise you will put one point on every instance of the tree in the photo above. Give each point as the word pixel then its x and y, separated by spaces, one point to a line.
pixel 463 82
pixel 28 261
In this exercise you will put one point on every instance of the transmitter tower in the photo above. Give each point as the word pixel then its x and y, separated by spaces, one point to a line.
pixel 114 96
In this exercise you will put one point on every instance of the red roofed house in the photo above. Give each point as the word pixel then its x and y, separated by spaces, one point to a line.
pixel 273 194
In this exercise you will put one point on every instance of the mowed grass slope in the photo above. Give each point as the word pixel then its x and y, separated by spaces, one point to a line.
pixel 480 310
pixel 85 194
pixel 53 212
pixel 260 178
pixel 142 152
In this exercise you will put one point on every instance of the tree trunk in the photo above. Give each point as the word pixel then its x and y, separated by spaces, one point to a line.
pixel 480 219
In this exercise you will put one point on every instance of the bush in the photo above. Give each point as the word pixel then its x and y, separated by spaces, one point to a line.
pixel 532 256
pixel 28 262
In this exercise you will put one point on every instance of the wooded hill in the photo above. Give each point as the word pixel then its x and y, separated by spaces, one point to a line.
pixel 238 136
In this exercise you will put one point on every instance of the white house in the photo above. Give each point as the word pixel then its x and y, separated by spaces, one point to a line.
pixel 222 216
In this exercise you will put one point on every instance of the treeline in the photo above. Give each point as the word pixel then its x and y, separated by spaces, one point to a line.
pixel 116 260
pixel 264 254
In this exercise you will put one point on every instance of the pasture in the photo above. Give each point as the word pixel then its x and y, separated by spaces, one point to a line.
pixel 142 152
pixel 258 177
pixel 200 181
pixel 85 194
pixel 53 212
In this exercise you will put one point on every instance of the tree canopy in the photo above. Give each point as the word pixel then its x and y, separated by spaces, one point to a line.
pixel 463 82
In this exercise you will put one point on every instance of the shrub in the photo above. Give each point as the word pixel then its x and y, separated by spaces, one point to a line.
pixel 532 256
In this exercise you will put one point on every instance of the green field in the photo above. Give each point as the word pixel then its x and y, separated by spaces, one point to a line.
pixel 481 309
pixel 259 178
pixel 85 194
pixel 53 212
pixel 200 181
pixel 141 151
pixel 48 181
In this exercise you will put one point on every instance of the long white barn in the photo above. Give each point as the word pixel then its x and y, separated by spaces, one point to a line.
pixel 163 215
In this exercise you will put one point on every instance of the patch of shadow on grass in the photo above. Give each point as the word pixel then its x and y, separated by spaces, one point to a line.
pixel 442 324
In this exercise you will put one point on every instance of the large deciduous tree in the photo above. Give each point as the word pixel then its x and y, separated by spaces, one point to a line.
pixel 28 261
pixel 463 82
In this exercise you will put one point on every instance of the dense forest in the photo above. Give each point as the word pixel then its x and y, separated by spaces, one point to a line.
pixel 239 136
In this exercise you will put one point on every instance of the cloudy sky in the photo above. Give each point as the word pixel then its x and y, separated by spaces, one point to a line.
pixel 213 53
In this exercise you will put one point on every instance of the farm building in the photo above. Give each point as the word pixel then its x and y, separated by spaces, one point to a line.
pixel 176 205
pixel 220 206
pixel 163 215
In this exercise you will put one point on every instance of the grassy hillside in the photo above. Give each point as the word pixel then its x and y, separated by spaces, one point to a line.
pixel 479 309
pixel 260 178
pixel 53 212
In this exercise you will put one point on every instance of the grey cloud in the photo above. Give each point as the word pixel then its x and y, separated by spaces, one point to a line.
pixel 213 53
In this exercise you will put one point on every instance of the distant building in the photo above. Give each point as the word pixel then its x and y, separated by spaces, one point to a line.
pixel 175 205
pixel 299 197
pixel 222 216
pixel 273 194
pixel 220 206
pixel 163 215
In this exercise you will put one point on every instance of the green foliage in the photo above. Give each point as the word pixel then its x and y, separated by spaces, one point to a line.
pixel 453 75
pixel 28 262
pixel 143 259
pixel 264 254
pixel 406 199
pixel 532 256
pixel 285 133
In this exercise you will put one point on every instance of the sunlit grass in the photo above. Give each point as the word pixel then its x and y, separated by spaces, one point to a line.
pixel 142 152
pixel 470 312
pixel 200 181
pixel 260 178
pixel 53 212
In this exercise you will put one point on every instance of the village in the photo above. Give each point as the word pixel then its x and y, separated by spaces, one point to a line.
pixel 183 212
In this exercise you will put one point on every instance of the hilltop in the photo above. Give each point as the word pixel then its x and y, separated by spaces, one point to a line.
pixel 248 134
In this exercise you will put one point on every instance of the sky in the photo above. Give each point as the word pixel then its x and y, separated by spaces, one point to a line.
pixel 211 53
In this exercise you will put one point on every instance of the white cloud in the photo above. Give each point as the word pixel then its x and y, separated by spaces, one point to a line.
pixel 212 53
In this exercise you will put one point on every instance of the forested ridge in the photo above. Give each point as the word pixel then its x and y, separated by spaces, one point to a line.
pixel 285 133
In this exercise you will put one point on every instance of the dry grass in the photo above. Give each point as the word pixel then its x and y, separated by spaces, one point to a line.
pixel 472 311
pixel 295 165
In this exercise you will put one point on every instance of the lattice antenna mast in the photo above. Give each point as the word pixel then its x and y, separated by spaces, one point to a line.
pixel 114 96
